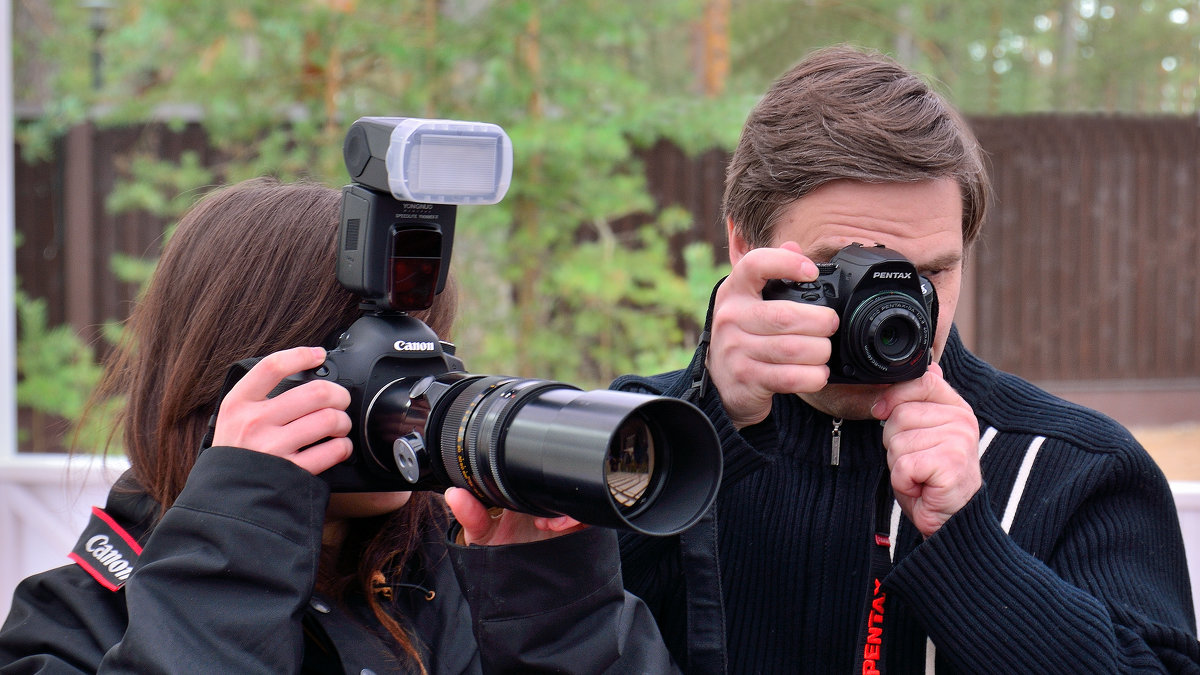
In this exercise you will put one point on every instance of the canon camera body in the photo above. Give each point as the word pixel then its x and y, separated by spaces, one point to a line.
pixel 421 422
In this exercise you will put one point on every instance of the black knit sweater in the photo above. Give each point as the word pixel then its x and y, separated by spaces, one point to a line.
pixel 1069 560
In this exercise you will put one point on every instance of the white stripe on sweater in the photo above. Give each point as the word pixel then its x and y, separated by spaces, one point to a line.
pixel 985 440
pixel 893 530
pixel 1014 497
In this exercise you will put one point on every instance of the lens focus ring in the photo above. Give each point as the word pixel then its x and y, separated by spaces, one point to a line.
pixel 888 331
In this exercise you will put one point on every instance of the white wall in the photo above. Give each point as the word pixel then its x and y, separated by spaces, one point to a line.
pixel 44 503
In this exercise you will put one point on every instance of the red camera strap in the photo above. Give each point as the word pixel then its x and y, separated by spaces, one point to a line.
pixel 870 642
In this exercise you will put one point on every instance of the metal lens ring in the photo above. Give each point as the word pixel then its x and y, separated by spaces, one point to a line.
pixel 455 428
pixel 888 331
pixel 495 415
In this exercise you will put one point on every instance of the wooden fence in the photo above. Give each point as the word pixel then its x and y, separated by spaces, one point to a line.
pixel 1089 263
pixel 1086 278
pixel 67 236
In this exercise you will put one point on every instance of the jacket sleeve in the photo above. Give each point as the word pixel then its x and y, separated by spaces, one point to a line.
pixel 61 621
pixel 558 606
pixel 1111 596
pixel 220 585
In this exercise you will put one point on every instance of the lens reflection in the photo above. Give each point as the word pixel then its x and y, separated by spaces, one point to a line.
pixel 895 334
pixel 630 463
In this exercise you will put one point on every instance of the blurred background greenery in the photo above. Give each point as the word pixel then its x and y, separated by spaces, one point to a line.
pixel 571 277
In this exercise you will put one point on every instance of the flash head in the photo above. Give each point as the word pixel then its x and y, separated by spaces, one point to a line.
pixel 397 221
pixel 431 161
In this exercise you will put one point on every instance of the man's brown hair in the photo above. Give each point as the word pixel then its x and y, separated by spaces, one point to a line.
pixel 845 113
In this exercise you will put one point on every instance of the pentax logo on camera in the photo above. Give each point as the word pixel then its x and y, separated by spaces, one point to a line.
pixel 891 275
pixel 414 346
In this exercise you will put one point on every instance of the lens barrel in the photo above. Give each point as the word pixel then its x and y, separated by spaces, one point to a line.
pixel 645 463
pixel 886 331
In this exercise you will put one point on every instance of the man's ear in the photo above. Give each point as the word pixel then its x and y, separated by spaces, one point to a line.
pixel 738 246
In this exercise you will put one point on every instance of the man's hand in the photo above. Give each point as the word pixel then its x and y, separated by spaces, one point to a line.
pixel 493 527
pixel 932 440
pixel 760 348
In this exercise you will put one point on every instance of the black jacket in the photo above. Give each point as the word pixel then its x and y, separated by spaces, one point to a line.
pixel 1069 560
pixel 225 584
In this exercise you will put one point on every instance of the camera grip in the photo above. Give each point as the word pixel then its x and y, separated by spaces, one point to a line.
pixel 321 372
pixel 238 370
pixel 809 292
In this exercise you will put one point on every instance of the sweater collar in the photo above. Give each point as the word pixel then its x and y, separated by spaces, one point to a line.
pixel 970 376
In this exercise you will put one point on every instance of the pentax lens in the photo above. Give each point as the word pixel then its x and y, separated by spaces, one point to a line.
pixel 887 331
pixel 894 334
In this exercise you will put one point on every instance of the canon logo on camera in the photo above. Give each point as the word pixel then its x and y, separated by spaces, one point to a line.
pixel 414 346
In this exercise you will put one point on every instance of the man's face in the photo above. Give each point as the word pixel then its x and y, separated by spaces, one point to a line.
pixel 922 221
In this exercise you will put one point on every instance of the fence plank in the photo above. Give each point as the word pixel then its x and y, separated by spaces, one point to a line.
pixel 1086 271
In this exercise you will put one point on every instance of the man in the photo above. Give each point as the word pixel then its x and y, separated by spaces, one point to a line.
pixel 1026 535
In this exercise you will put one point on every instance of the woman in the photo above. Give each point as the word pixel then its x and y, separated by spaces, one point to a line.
pixel 244 561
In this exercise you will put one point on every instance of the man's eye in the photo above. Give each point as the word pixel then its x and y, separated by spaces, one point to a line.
pixel 935 271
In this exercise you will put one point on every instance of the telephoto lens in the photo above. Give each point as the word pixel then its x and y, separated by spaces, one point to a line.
pixel 645 463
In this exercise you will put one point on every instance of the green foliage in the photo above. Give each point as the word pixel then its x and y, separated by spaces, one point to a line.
pixel 159 187
pixel 1132 56
pixel 56 372
pixel 552 283
pixel 47 46
pixel 573 276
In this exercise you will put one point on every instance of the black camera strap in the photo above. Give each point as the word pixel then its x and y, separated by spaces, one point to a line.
pixel 698 369
pixel 232 376
pixel 870 640
pixel 704 601
pixel 706 648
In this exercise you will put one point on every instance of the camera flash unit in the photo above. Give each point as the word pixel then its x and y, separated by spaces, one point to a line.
pixel 430 161
pixel 397 222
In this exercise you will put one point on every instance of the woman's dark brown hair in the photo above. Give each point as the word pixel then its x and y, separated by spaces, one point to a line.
pixel 844 113
pixel 249 270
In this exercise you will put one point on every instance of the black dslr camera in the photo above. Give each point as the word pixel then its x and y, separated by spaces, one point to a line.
pixel 888 314
pixel 420 422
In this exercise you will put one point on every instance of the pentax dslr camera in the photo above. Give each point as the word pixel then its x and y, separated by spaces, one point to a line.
pixel 420 422
pixel 888 313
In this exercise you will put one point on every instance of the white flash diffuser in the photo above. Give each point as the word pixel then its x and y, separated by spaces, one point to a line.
pixel 430 161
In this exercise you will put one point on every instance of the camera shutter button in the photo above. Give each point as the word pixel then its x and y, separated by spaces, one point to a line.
pixel 326 371
pixel 810 291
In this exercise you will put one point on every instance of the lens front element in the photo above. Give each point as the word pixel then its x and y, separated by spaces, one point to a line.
pixel 894 335
pixel 630 463
pixel 888 334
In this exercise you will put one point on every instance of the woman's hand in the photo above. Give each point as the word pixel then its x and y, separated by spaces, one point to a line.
pixel 493 527
pixel 306 425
